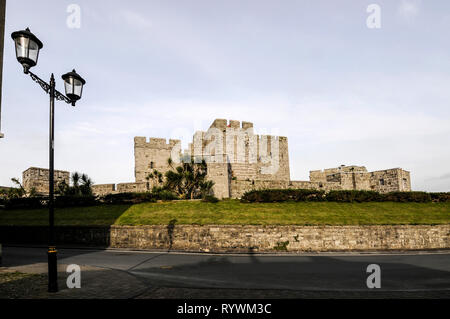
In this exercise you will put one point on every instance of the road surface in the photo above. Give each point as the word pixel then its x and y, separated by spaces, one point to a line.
pixel 330 273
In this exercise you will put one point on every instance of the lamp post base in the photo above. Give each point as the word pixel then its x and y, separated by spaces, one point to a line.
pixel 52 270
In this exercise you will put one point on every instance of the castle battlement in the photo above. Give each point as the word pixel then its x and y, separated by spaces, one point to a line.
pixel 239 160
pixel 154 142
pixel 223 124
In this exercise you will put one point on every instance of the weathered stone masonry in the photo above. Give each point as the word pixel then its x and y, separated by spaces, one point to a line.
pixel 245 238
pixel 38 179
pixel 239 160
pixel 229 238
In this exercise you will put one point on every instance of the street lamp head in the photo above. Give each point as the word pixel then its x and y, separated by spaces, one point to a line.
pixel 27 48
pixel 73 84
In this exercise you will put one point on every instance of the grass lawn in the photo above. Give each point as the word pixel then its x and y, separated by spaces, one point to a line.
pixel 229 212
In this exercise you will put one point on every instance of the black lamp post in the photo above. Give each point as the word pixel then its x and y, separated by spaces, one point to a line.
pixel 27 53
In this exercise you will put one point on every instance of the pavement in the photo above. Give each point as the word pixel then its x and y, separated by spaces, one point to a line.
pixel 119 273
pixel 97 283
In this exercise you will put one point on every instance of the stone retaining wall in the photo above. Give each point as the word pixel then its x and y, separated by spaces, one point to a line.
pixel 229 238
pixel 282 238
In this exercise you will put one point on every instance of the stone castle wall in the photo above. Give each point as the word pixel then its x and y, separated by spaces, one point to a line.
pixel 103 189
pixel 241 238
pixel 38 178
pixel 240 187
pixel 357 178
pixel 248 238
pixel 150 155
pixel 390 180
pixel 239 160
pixel 230 148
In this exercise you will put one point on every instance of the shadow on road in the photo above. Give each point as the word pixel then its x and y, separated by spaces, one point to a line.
pixel 299 272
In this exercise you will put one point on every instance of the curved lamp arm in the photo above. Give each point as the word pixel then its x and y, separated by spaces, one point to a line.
pixel 46 87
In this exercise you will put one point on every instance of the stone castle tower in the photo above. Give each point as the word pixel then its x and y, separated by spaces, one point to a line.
pixel 239 160
pixel 232 152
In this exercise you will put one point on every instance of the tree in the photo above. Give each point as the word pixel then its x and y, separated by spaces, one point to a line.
pixel 81 186
pixel 19 191
pixel 156 177
pixel 189 179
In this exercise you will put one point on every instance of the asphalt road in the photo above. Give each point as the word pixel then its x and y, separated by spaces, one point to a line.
pixel 314 272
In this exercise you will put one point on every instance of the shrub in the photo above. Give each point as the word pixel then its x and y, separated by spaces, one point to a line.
pixel 75 201
pixel 440 197
pixel 308 195
pixel 350 196
pixel 137 198
pixel 403 197
pixel 26 202
pixel 127 198
pixel 41 202
pixel 281 195
pixel 163 194
pixel 210 199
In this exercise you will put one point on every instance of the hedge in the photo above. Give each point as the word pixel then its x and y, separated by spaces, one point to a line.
pixel 403 197
pixel 136 198
pixel 76 201
pixel 440 197
pixel 127 198
pixel 42 202
pixel 81 201
pixel 25 203
pixel 282 195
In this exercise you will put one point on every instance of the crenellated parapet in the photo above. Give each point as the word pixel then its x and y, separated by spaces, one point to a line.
pixel 154 142
pixel 152 154
pixel 238 160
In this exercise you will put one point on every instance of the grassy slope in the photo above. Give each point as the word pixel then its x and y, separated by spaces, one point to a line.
pixel 234 212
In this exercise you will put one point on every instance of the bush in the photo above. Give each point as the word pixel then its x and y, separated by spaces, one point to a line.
pixel 404 197
pixel 127 198
pixel 137 198
pixel 347 196
pixel 42 202
pixel 160 193
pixel 75 201
pixel 281 195
pixel 440 197
pixel 308 195
pixel 210 199
pixel 351 196
pixel 26 203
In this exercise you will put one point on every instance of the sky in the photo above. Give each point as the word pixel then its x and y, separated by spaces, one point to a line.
pixel 343 93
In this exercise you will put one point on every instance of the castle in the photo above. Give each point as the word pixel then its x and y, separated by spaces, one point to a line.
pixel 239 160
pixel 38 179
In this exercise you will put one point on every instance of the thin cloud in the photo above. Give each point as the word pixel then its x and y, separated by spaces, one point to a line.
pixel 409 9
pixel 442 177
pixel 134 20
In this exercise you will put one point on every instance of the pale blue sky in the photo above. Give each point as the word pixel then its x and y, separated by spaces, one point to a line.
pixel 309 70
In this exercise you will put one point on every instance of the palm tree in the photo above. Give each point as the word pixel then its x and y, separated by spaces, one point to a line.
pixel 17 192
pixel 86 185
pixel 170 162
pixel 206 187
pixel 81 186
pixel 189 180
pixel 76 179
pixel 156 177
